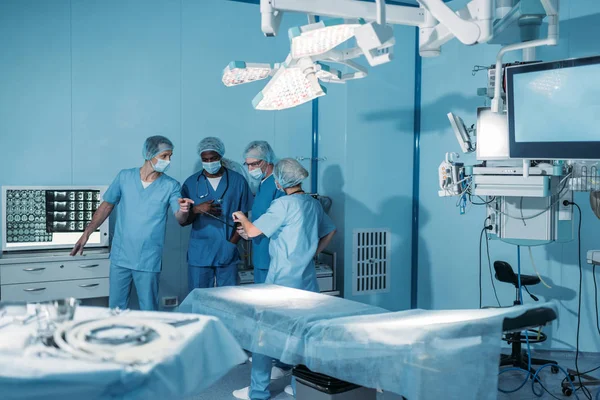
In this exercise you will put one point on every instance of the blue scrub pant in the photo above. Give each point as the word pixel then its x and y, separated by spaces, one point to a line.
pixel 260 377
pixel 146 286
pixel 204 277
pixel 260 275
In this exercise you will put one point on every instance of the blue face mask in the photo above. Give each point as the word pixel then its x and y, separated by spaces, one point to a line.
pixel 279 187
pixel 257 174
pixel 161 165
pixel 212 167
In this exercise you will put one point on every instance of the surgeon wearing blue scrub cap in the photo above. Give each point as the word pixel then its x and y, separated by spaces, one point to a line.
pixel 216 191
pixel 142 197
pixel 298 229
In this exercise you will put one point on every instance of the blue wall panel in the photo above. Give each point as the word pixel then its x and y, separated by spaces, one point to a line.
pixel 35 93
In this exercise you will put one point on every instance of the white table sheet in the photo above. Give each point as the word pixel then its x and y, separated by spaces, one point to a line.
pixel 205 353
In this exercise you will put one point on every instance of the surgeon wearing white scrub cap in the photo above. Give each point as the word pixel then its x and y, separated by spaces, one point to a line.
pixel 298 230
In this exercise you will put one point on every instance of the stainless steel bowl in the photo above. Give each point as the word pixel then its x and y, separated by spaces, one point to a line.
pixel 60 310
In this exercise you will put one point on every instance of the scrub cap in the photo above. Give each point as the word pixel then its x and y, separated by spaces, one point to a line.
pixel 260 150
pixel 155 145
pixel 211 144
pixel 289 172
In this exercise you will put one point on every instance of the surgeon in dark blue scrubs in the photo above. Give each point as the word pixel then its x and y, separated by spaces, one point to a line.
pixel 260 160
pixel 217 192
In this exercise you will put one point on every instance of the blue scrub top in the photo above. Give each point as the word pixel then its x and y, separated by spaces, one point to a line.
pixel 267 192
pixel 209 240
pixel 295 224
pixel 141 219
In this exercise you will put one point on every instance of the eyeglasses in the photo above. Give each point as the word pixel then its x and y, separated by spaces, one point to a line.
pixel 254 164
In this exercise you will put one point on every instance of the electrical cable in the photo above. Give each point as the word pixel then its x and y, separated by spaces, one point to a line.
pixel 461 194
pixel 521 302
pixel 520 386
pixel 485 227
pixel 559 195
pixel 528 292
pixel 535 377
pixel 586 392
pixel 596 298
pixel 520 292
pixel 535 269
pixel 487 244
pixel 483 203
pixel 74 339
pixel 584 373
pixel 521 209
pixel 583 388
pixel 480 286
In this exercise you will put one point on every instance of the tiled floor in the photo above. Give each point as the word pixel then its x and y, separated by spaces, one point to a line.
pixel 240 377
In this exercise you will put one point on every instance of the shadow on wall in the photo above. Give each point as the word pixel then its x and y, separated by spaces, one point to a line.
pixel 424 282
pixel 556 293
pixel 333 184
pixel 394 213
pixel 437 120
pixel 577 30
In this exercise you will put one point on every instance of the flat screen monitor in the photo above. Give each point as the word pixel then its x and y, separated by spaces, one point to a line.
pixel 46 218
pixel 554 110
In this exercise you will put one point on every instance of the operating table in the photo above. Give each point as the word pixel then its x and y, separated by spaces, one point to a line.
pixel 419 354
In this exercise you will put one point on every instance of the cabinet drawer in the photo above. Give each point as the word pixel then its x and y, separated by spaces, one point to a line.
pixel 325 284
pixel 54 271
pixel 35 292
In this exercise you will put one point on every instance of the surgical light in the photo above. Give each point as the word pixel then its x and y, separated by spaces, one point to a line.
pixel 239 72
pixel 316 39
pixel 328 74
pixel 290 87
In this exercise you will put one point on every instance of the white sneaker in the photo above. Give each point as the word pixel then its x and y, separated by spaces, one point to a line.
pixel 242 394
pixel 288 389
pixel 278 373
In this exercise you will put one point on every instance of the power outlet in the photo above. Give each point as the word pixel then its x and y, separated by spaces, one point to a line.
pixel 565 212
pixel 170 302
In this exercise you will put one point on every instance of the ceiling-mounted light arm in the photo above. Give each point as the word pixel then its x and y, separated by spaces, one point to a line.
pixel 466 31
pixel 361 71
pixel 270 18
pixel 345 57
pixel 272 11
pixel 434 35
pixel 551 40
pixel 380 11
pixel 551 8
pixel 340 55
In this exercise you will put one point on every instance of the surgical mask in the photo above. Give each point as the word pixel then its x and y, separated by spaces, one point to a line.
pixel 161 165
pixel 212 167
pixel 279 188
pixel 257 173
